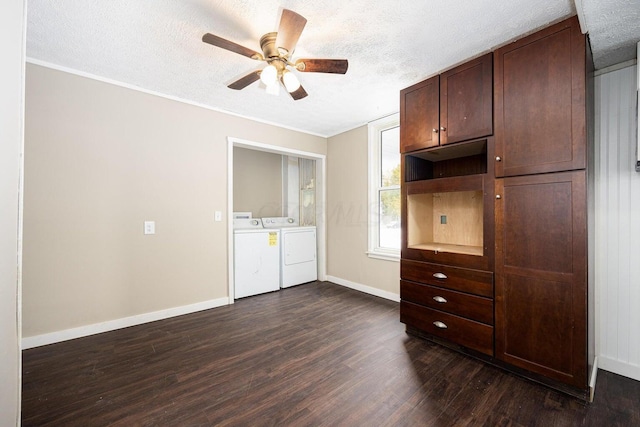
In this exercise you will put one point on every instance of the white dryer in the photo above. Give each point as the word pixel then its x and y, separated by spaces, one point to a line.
pixel 298 259
pixel 256 258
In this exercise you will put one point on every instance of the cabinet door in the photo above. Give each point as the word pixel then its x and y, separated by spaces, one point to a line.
pixel 540 300
pixel 419 116
pixel 540 102
pixel 466 101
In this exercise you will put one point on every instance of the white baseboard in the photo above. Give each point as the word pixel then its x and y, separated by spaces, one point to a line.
pixel 619 367
pixel 125 322
pixel 592 379
pixel 364 288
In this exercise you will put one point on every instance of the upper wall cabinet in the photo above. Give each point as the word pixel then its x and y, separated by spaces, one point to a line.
pixel 540 102
pixel 452 107
pixel 420 115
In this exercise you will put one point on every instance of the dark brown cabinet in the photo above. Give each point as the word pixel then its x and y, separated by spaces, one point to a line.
pixel 420 115
pixel 540 98
pixel 543 85
pixel 452 107
pixel 452 303
pixel 495 229
pixel 541 275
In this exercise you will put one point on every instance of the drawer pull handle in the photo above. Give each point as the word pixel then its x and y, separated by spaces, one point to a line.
pixel 439 276
pixel 439 324
pixel 439 299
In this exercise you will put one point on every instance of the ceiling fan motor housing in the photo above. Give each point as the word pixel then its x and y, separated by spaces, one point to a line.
pixel 268 45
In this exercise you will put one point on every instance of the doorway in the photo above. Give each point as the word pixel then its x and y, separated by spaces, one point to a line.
pixel 319 205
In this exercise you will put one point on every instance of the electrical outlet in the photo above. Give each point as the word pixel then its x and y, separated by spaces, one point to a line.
pixel 149 227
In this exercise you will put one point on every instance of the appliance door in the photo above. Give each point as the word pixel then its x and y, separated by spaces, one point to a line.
pixel 256 262
pixel 299 246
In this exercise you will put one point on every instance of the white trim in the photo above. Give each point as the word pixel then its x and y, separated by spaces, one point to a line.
pixel 276 149
pixel 581 17
pixel 592 379
pixel 619 367
pixel 125 322
pixel 162 95
pixel 321 226
pixel 615 67
pixel 375 128
pixel 384 256
pixel 321 212
pixel 364 288
pixel 20 224
pixel 230 267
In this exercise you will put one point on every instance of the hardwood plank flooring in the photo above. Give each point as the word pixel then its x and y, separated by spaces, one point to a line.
pixel 313 355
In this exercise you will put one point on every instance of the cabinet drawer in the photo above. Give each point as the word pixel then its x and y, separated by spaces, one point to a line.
pixel 460 279
pixel 465 332
pixel 465 305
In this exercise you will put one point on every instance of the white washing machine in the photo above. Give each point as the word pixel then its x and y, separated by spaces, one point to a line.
pixel 298 259
pixel 256 258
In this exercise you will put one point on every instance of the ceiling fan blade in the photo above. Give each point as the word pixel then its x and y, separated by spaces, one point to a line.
pixel 337 66
pixel 229 45
pixel 245 81
pixel 299 93
pixel 289 30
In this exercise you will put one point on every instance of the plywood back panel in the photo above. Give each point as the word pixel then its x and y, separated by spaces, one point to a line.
pixel 451 218
pixel 463 212
pixel 419 218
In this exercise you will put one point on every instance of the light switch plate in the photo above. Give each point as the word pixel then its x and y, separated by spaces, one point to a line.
pixel 218 216
pixel 149 227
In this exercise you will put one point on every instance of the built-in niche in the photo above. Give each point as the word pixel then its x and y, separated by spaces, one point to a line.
pixel 445 198
pixel 446 222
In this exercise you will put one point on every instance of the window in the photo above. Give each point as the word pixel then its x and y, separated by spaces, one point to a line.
pixel 384 188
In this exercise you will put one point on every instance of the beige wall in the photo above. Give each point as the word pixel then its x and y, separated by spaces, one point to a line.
pixel 347 200
pixel 257 182
pixel 101 159
pixel 11 119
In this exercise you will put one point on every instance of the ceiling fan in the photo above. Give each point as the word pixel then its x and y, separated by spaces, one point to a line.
pixel 277 49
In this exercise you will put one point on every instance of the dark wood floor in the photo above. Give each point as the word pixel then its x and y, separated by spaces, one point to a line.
pixel 314 355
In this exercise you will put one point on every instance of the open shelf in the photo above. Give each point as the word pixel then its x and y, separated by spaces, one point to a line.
pixel 446 221
pixel 461 159
pixel 444 247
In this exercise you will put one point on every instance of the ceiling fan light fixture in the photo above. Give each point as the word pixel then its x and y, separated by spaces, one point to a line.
pixel 269 76
pixel 290 81
pixel 277 50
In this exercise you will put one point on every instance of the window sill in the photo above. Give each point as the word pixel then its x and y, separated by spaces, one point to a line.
pixel 384 256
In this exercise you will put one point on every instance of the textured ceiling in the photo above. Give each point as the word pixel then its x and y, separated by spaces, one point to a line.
pixel 614 29
pixel 156 45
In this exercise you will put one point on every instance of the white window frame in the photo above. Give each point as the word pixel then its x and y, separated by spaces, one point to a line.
pixel 376 128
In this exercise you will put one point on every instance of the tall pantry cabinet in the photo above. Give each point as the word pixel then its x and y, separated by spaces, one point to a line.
pixel 536 177
pixel 541 217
